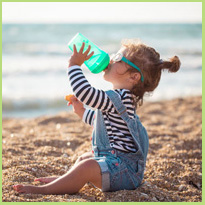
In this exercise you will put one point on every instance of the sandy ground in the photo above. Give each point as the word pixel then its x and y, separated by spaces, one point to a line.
pixel 49 145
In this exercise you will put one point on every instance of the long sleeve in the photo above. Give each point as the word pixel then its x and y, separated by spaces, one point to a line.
pixel 88 116
pixel 87 94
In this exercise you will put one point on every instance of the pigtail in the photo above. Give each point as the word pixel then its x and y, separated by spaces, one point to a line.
pixel 172 65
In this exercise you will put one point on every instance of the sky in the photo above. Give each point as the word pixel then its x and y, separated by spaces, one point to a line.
pixel 101 12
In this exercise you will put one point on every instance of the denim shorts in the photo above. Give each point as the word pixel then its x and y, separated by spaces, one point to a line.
pixel 120 170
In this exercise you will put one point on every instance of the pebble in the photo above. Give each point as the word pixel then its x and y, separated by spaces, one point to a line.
pixel 182 187
pixel 198 185
pixel 154 199
pixel 144 195
pixel 58 126
pixel 65 155
pixel 66 168
pixel 34 169
pixel 145 183
pixel 31 131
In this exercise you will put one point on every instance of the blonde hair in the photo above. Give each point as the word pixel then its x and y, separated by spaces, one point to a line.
pixel 148 60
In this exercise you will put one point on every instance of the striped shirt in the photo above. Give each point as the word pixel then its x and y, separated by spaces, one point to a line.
pixel 118 132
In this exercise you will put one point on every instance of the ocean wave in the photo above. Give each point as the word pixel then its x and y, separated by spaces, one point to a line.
pixel 15 66
pixel 33 72
pixel 187 52
pixel 35 49
pixel 9 105
pixel 45 50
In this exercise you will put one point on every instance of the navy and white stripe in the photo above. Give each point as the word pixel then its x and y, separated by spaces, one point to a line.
pixel 88 116
pixel 119 135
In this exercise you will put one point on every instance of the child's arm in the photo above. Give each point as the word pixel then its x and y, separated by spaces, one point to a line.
pixel 78 107
pixel 89 116
pixel 83 90
pixel 86 115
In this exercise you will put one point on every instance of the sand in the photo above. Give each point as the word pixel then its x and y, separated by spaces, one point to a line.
pixel 49 145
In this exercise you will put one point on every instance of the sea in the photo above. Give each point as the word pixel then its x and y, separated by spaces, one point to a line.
pixel 35 60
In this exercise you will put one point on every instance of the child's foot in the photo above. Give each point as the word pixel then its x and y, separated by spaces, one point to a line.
pixel 45 179
pixel 27 189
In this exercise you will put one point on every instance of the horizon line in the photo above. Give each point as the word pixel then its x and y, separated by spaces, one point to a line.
pixel 146 22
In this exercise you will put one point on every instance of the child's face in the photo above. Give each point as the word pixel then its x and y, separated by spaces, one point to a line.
pixel 116 72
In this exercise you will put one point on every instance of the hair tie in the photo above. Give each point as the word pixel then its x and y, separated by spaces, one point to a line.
pixel 161 61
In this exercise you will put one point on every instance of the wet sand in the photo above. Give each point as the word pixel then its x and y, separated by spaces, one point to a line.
pixel 49 145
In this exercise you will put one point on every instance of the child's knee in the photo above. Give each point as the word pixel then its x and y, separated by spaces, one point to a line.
pixel 84 156
pixel 90 165
pixel 93 170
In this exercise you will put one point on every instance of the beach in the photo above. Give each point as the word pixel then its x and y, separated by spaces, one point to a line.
pixel 49 145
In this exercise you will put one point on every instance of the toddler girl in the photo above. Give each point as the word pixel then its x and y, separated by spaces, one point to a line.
pixel 119 140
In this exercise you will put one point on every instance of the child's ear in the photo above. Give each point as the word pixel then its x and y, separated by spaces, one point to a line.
pixel 135 77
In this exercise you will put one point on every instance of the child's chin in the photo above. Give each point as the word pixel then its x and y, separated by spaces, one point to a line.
pixel 105 77
pixel 107 80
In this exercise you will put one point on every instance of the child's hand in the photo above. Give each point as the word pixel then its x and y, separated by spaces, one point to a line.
pixel 68 98
pixel 78 107
pixel 78 58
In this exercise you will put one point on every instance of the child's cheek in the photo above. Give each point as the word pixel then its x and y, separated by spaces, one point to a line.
pixel 121 70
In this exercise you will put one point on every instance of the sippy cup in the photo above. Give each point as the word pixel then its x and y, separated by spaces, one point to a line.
pixel 100 59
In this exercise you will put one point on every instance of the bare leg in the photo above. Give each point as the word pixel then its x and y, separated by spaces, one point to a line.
pixel 85 171
pixel 84 156
pixel 46 179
